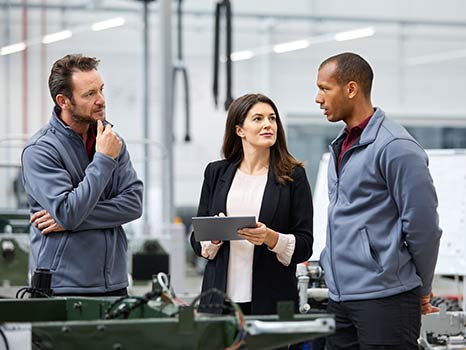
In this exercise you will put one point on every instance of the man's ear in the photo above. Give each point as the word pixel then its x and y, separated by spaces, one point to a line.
pixel 239 131
pixel 63 101
pixel 352 89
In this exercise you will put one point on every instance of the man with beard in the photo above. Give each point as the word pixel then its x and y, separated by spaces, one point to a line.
pixel 81 187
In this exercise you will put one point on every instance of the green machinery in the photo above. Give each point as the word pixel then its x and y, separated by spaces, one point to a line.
pixel 156 320
pixel 14 246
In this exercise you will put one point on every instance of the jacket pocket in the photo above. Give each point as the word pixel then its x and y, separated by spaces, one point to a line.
pixel 59 252
pixel 124 239
pixel 325 264
pixel 369 251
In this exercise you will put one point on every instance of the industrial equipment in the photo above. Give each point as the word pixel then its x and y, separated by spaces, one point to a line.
pixel 157 320
pixel 445 330
pixel 14 246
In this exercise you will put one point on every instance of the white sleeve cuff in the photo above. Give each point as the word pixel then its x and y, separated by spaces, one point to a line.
pixel 285 248
pixel 210 250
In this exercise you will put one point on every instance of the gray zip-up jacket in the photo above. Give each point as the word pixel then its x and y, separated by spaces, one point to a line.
pixel 382 234
pixel 90 199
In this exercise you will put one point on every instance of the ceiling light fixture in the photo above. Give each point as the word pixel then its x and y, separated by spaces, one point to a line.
pixel 303 43
pixel 242 55
pixel 51 38
pixel 9 49
pixel 291 46
pixel 354 34
pixel 110 23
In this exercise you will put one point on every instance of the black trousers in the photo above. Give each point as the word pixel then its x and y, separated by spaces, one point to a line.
pixel 387 323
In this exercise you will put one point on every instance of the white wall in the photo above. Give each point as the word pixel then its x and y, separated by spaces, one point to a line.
pixel 430 89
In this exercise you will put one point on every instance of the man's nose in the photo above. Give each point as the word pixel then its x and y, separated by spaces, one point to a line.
pixel 100 99
pixel 319 99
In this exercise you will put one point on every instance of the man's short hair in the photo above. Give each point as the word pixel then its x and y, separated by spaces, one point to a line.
pixel 352 67
pixel 63 69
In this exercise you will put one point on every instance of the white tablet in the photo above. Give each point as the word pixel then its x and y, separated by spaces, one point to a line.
pixel 220 228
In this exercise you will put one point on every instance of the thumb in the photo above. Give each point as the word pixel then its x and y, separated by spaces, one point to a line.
pixel 100 127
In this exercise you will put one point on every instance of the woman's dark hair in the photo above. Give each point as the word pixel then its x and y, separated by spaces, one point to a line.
pixel 63 69
pixel 282 162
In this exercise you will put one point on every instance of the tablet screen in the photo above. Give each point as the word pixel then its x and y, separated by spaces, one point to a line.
pixel 220 228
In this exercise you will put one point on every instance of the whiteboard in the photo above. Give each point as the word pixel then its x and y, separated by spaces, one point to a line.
pixel 448 170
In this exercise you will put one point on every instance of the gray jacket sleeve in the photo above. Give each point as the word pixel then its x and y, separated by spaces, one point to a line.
pixel 125 206
pixel 405 167
pixel 80 206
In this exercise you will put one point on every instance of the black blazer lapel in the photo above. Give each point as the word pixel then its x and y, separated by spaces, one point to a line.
pixel 219 203
pixel 270 200
pixel 269 206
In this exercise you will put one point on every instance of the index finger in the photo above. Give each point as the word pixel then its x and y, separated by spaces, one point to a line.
pixel 36 215
pixel 100 127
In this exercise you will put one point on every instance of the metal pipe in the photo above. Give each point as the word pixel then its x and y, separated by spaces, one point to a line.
pixel 145 112
pixel 7 99
pixel 166 96
pixel 24 61
pixel 43 61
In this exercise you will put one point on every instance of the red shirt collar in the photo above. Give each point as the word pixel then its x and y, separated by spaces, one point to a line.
pixel 351 136
pixel 361 125
pixel 91 138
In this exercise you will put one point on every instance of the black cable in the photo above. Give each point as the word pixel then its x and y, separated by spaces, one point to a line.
pixel 19 290
pixel 181 67
pixel 5 340
pixel 223 7
pixel 228 98
pixel 187 136
pixel 126 309
pixel 216 51
pixel 227 304
pixel 237 313
pixel 32 291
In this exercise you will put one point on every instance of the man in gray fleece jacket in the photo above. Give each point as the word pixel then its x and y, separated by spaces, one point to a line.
pixel 81 187
pixel 382 233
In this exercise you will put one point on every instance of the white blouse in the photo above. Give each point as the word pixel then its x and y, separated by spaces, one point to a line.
pixel 245 199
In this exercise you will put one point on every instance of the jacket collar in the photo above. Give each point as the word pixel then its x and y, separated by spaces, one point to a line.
pixel 370 131
pixel 219 204
pixel 57 124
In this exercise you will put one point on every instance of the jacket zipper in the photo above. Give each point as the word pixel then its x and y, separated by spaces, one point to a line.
pixel 337 172
pixel 332 260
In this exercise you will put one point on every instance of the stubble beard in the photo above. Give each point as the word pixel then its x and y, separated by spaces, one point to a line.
pixel 83 119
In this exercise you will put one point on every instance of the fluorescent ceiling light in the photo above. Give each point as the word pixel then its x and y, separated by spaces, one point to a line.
pixel 111 23
pixel 6 50
pixel 354 34
pixel 437 57
pixel 51 38
pixel 302 44
pixel 291 46
pixel 242 55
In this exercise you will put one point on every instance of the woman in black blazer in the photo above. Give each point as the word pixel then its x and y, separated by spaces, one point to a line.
pixel 257 177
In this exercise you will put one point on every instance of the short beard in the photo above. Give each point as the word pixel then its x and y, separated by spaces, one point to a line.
pixel 81 119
